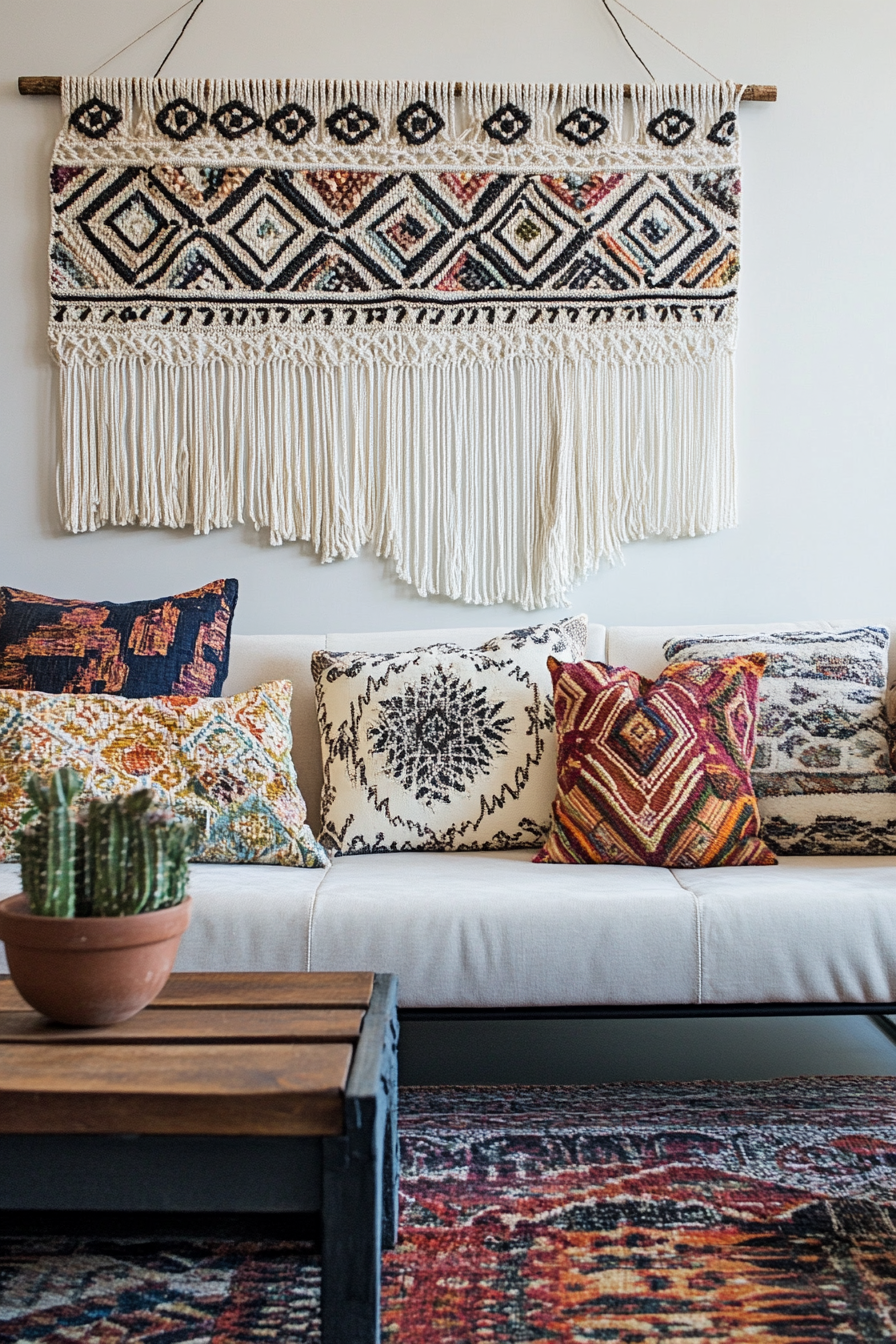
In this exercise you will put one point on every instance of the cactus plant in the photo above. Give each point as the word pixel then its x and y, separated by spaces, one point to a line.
pixel 116 856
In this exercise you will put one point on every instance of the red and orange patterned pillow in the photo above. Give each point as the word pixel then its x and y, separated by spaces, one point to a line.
pixel 176 645
pixel 656 772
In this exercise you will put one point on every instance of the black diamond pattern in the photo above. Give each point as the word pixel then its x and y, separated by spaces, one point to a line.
pixel 419 123
pixel 235 119
pixel 583 126
pixel 671 127
pixel 508 124
pixel 351 124
pixel 95 118
pixel 180 119
pixel 723 131
pixel 290 123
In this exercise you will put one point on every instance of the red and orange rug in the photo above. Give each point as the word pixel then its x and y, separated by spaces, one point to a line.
pixel 619 1213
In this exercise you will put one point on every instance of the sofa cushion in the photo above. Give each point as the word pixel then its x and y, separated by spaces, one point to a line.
pixel 223 762
pixel 822 772
pixel 441 747
pixel 258 658
pixel 495 930
pixel 243 917
pixel 656 772
pixel 167 646
pixel 813 930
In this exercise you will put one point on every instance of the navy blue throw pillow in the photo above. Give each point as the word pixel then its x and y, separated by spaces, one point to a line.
pixel 171 646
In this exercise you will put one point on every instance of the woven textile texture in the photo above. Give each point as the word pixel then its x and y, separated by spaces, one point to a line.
pixel 822 771
pixel 223 762
pixel 716 1212
pixel 441 748
pixel 489 333
pixel 170 646
pixel 656 772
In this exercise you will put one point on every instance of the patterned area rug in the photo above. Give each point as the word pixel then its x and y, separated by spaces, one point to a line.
pixel 619 1212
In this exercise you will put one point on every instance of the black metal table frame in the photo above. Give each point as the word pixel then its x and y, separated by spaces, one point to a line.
pixel 658 1010
pixel 350 1179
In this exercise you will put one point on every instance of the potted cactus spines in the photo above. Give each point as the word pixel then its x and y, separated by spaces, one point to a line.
pixel 93 937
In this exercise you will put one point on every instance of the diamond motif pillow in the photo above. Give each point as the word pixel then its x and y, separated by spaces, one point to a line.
pixel 656 773
pixel 224 762
pixel 441 748
pixel 822 772
pixel 170 646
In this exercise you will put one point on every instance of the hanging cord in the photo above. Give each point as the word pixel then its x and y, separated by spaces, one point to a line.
pixel 190 17
pixel 668 43
pixel 626 41
pixel 142 35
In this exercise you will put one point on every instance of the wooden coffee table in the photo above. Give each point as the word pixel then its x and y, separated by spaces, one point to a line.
pixel 231 1092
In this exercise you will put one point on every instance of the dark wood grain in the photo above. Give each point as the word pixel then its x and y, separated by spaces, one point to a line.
pixel 173 1089
pixel 244 989
pixel 267 989
pixel 193 1025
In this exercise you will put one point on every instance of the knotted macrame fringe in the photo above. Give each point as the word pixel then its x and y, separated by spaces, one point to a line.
pixel 483 483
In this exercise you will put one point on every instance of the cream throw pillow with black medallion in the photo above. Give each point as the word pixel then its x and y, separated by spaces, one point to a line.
pixel 441 748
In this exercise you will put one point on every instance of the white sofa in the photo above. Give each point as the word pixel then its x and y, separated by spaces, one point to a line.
pixel 494 930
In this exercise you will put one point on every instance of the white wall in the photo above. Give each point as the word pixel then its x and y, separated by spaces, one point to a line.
pixel 816 354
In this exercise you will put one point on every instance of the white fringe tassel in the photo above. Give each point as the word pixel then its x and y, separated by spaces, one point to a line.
pixel 501 483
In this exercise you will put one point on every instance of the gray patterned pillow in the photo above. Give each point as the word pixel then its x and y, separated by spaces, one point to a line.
pixel 821 772
pixel 441 748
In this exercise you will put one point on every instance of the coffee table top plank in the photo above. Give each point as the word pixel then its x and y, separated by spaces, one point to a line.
pixel 192 1025
pixel 173 1089
pixel 267 989
pixel 244 989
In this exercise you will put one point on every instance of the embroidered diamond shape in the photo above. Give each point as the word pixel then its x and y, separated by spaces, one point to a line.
pixel 95 119
pixel 583 126
pixel 508 124
pixel 408 233
pixel 137 222
pixel 527 233
pixel 351 124
pixel 419 123
pixel 724 131
pixel 671 127
pixel 265 231
pixel 657 229
pixel 290 123
pixel 235 119
pixel 643 736
pixel 180 119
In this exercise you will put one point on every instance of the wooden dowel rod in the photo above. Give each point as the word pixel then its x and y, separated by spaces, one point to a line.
pixel 52 84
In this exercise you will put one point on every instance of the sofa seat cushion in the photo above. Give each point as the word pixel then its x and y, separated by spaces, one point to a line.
pixel 245 917
pixel 495 930
pixel 812 930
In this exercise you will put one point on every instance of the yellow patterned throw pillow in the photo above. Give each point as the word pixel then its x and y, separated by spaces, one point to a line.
pixel 224 762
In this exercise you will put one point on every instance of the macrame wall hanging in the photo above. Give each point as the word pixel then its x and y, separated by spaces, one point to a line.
pixel 488 331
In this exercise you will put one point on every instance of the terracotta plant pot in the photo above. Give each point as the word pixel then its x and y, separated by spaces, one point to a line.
pixel 90 972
